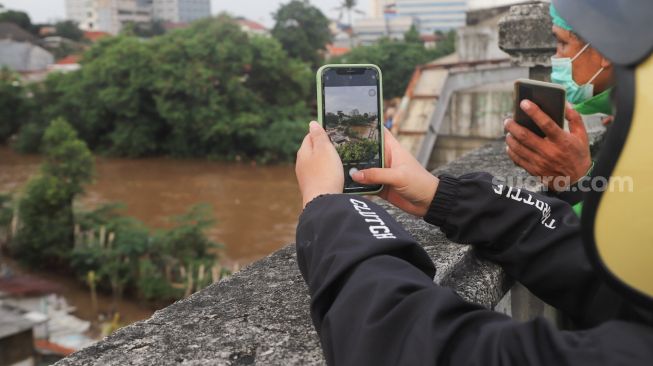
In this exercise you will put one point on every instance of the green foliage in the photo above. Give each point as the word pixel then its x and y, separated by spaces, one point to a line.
pixel 144 30
pixel 29 139
pixel 6 210
pixel 186 240
pixel 412 36
pixel 282 139
pixel 130 257
pixel 397 60
pixel 447 43
pixel 19 18
pixel 13 104
pixel 303 30
pixel 46 209
pixel 358 150
pixel 209 90
pixel 70 30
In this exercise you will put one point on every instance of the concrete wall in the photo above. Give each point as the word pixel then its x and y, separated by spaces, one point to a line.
pixel 474 118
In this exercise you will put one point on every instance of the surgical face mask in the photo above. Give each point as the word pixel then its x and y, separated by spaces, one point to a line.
pixel 561 73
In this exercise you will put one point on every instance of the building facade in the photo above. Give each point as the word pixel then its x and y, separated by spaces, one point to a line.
pixel 181 11
pixel 369 30
pixel 108 15
pixel 111 15
pixel 434 15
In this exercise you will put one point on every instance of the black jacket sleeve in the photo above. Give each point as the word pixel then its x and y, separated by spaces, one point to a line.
pixel 373 302
pixel 535 238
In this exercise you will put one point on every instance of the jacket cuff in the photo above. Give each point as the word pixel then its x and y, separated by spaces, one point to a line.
pixel 443 201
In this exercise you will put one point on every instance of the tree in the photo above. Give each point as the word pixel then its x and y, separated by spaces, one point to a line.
pixel 46 230
pixel 412 35
pixel 13 104
pixel 397 60
pixel 303 30
pixel 69 29
pixel 19 18
pixel 349 7
pixel 208 90
pixel 447 42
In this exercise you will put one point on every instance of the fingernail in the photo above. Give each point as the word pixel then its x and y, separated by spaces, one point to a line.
pixel 358 175
pixel 570 106
pixel 313 126
pixel 525 105
pixel 505 122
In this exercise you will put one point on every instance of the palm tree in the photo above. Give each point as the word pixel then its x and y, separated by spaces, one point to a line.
pixel 349 7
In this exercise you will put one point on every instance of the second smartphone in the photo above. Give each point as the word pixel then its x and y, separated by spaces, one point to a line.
pixel 548 96
pixel 350 108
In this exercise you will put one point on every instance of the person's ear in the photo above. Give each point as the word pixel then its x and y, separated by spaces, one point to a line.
pixel 605 63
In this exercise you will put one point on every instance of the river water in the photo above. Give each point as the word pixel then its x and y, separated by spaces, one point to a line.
pixel 256 207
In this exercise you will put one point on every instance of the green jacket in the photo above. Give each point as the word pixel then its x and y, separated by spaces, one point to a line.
pixel 599 103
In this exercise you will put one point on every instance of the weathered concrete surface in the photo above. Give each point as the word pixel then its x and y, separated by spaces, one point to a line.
pixel 525 34
pixel 261 314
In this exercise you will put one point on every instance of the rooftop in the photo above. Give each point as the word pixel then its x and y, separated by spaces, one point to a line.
pixel 16 33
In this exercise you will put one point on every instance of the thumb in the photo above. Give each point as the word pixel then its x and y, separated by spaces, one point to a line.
pixel 576 125
pixel 371 176
pixel 318 135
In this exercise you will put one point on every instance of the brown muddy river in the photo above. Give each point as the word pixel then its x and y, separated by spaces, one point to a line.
pixel 256 207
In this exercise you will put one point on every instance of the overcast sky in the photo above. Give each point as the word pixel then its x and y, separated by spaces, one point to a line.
pixel 346 99
pixel 260 10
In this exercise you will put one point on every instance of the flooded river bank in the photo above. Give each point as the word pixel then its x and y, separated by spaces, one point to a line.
pixel 256 207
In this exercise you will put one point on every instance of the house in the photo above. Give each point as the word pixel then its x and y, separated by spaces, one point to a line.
pixel 95 36
pixel 16 338
pixel 20 52
pixel 67 64
pixel 334 51
pixel 13 32
pixel 253 28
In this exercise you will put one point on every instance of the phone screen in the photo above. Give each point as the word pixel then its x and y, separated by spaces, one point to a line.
pixel 351 115
pixel 549 97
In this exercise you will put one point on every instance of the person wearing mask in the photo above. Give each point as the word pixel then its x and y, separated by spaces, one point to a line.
pixel 588 78
pixel 373 300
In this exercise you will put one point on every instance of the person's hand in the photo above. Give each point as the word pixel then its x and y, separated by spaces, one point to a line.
pixel 559 159
pixel 407 184
pixel 607 121
pixel 318 167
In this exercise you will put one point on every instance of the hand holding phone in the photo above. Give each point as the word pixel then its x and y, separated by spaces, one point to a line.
pixel 549 97
pixel 318 167
pixel 350 101
pixel 407 185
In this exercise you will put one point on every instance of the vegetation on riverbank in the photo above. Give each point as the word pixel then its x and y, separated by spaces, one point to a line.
pixel 210 90
pixel 102 247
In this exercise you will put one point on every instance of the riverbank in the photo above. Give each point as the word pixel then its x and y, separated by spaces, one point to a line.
pixel 256 207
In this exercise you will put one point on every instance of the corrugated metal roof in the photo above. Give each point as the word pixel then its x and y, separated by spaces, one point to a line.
pixel 16 33
pixel 12 322
pixel 23 56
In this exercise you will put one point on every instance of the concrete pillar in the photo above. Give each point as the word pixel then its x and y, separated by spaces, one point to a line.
pixel 525 34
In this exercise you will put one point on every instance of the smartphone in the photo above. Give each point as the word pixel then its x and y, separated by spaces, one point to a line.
pixel 549 97
pixel 350 108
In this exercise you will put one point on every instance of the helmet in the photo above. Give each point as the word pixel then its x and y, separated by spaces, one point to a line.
pixel 617 217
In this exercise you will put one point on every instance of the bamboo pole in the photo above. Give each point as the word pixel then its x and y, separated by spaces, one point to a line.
pixel 216 272
pixel 200 276
pixel 103 233
pixel 189 287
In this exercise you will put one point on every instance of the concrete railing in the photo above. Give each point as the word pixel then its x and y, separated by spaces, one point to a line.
pixel 261 314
